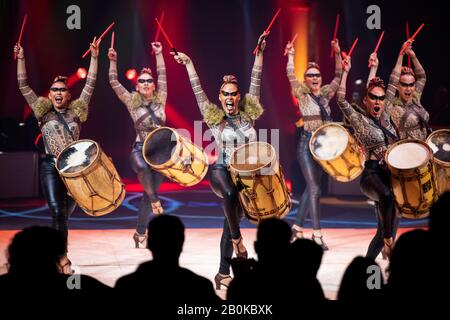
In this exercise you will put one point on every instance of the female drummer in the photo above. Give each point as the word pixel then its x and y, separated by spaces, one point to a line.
pixel 407 114
pixel 60 123
pixel 147 110
pixel 313 100
pixel 232 126
pixel 375 133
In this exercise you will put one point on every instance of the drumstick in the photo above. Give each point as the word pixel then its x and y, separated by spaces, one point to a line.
pixel 21 33
pixel 353 47
pixel 166 36
pixel 412 38
pixel 159 29
pixel 336 27
pixel 99 39
pixel 112 40
pixel 376 48
pixel 407 37
pixel 267 30
pixel 291 42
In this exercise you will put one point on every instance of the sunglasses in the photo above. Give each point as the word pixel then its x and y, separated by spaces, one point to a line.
pixel 226 94
pixel 145 80
pixel 375 97
pixel 404 84
pixel 312 75
pixel 54 89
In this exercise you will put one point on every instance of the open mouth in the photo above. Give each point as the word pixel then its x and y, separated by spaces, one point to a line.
pixel 229 105
pixel 58 99
pixel 408 94
pixel 376 109
pixel 315 83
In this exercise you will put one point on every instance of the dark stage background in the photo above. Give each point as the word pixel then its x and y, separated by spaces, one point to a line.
pixel 219 36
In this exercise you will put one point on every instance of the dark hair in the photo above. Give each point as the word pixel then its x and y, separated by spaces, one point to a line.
pixel 229 79
pixel 406 70
pixel 146 70
pixel 62 79
pixel 375 82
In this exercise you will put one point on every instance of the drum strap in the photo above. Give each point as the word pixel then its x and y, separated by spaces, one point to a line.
pixel 323 112
pixel 387 134
pixel 411 109
pixel 65 125
pixel 148 112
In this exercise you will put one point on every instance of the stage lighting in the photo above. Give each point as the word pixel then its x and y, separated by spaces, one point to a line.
pixel 358 82
pixel 81 73
pixel 131 74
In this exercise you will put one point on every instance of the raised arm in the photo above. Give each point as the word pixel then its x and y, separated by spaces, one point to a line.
pixel 353 116
pixel 373 61
pixel 118 88
pixel 395 75
pixel 22 79
pixel 255 79
pixel 200 95
pixel 290 69
pixel 334 85
pixel 421 77
pixel 88 89
pixel 161 87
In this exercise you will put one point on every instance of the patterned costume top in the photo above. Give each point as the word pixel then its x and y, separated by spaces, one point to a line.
pixel 308 104
pixel 366 129
pixel 54 132
pixel 231 132
pixel 411 120
pixel 146 115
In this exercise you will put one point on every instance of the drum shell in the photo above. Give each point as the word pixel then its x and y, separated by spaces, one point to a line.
pixel 174 168
pixel 97 189
pixel 348 165
pixel 262 192
pixel 441 168
pixel 414 189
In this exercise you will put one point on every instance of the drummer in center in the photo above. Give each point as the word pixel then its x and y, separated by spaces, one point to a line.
pixel 375 132
pixel 232 126
pixel 146 106
pixel 60 123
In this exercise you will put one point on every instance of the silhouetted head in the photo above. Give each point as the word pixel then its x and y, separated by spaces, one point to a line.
pixel 406 85
pixel 229 95
pixel 272 240
pixel 59 93
pixel 145 84
pixel 374 99
pixel 306 256
pixel 313 77
pixel 165 237
pixel 439 217
pixel 354 287
pixel 36 250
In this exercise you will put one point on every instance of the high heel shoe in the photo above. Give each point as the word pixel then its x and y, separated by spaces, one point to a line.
pixel 139 239
pixel 239 254
pixel 387 249
pixel 222 280
pixel 296 234
pixel 157 208
pixel 320 242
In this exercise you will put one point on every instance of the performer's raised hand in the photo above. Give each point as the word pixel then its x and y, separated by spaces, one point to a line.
pixel 335 46
pixel 406 46
pixel 112 54
pixel 156 47
pixel 18 51
pixel 181 58
pixel 94 47
pixel 262 41
pixel 289 48
pixel 373 60
pixel 409 51
pixel 347 63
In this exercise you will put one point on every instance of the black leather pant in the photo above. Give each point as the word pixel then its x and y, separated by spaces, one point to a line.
pixel 375 184
pixel 311 170
pixel 222 184
pixel 60 203
pixel 151 181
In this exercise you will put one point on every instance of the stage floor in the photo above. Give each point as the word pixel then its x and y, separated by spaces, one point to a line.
pixel 109 254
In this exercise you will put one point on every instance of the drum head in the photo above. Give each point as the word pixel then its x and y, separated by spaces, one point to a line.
pixel 252 156
pixel 439 141
pixel 408 155
pixel 329 142
pixel 77 157
pixel 160 146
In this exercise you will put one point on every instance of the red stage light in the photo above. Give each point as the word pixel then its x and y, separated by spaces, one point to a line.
pixel 131 74
pixel 81 73
pixel 288 185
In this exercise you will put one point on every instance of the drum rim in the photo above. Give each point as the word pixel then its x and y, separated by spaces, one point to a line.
pixel 334 124
pixel 437 160
pixel 274 157
pixel 177 147
pixel 77 173
pixel 393 145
